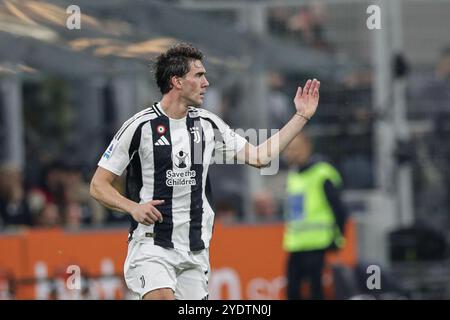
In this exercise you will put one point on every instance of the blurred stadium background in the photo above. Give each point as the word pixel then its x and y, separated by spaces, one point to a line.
pixel 383 120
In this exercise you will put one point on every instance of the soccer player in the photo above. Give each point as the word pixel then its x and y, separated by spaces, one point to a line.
pixel 166 150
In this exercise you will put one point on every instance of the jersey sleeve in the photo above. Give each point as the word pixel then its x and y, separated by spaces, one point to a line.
pixel 119 152
pixel 228 142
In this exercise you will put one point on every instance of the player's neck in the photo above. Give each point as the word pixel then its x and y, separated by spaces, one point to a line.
pixel 174 107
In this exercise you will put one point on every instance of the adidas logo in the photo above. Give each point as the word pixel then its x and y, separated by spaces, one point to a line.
pixel 162 142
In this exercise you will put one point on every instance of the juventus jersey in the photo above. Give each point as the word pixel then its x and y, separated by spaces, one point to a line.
pixel 167 159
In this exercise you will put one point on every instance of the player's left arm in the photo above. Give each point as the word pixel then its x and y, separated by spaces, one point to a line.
pixel 306 101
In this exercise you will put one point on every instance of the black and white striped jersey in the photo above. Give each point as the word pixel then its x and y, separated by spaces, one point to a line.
pixel 168 159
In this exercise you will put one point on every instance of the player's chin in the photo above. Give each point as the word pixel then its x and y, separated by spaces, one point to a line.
pixel 197 102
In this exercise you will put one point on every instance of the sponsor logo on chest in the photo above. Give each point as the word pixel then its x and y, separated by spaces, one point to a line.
pixel 181 175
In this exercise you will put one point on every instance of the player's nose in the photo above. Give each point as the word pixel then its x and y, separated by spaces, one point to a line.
pixel 205 83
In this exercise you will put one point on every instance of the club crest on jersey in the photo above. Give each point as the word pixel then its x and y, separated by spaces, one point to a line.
pixel 196 132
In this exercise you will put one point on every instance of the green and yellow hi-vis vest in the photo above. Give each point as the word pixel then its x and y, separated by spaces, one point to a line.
pixel 310 222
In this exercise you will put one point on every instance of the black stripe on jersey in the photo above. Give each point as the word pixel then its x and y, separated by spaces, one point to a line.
pixel 134 173
pixel 156 109
pixel 196 211
pixel 162 159
pixel 129 122
pixel 217 135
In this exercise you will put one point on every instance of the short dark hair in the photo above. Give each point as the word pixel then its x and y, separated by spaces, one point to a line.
pixel 174 62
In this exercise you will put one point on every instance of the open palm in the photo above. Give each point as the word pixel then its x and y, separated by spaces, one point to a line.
pixel 307 99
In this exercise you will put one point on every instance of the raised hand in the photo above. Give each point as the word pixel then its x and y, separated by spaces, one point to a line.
pixel 306 100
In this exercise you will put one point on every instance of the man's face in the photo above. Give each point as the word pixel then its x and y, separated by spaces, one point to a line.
pixel 194 84
pixel 298 151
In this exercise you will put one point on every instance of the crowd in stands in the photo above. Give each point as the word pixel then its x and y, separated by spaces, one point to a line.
pixel 61 200
pixel 304 24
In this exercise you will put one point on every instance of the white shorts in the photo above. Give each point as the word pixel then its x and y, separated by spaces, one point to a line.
pixel 149 267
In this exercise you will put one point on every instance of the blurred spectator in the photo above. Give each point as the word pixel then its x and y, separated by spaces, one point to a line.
pixel 36 201
pixel 443 66
pixel 264 207
pixel 50 191
pixel 308 25
pixel 53 186
pixel 64 186
pixel 437 91
pixel 14 208
pixel 76 191
pixel 49 217
pixel 277 18
pixel 73 216
pixel 226 212
pixel 315 217
pixel 432 89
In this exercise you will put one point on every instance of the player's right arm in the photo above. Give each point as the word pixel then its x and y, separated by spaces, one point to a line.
pixel 113 163
pixel 103 191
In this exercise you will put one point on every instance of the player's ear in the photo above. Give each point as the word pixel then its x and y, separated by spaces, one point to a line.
pixel 175 81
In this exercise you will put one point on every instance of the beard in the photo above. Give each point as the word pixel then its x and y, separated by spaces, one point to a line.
pixel 193 100
pixel 195 103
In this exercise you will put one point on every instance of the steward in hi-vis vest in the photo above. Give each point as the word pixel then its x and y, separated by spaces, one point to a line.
pixel 314 217
pixel 310 220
